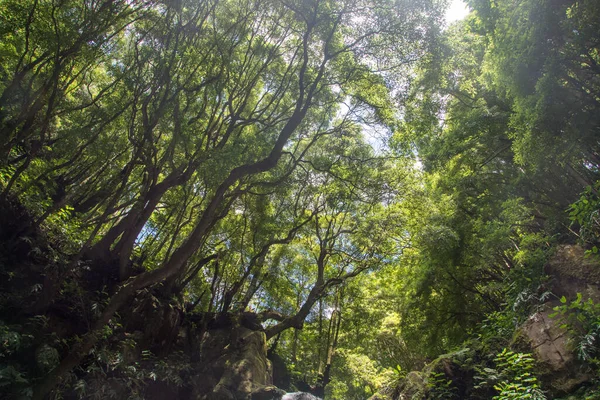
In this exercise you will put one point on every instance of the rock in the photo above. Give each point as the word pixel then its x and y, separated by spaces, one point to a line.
pixel 551 347
pixel 413 386
pixel 267 393
pixel 548 341
pixel 455 367
pixel 572 272
pixel 281 375
pixel 240 368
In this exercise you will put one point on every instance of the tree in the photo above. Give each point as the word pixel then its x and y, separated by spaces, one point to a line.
pixel 147 122
pixel 503 158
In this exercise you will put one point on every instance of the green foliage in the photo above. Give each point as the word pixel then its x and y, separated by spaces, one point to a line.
pixel 517 378
pixel 228 149
pixel 495 332
pixel 582 320
pixel 112 374
pixel 505 135
pixel 513 377
pixel 585 212
pixel 13 374
pixel 10 340
pixel 222 146
pixel 357 376
pixel 440 387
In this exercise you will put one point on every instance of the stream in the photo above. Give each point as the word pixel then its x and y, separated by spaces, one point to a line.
pixel 299 396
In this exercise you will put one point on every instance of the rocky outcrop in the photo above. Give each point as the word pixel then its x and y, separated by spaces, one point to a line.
pixel 236 366
pixel 551 346
pixel 548 341
pixel 572 272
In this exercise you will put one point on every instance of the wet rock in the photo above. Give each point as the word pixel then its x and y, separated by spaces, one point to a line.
pixel 267 393
pixel 299 396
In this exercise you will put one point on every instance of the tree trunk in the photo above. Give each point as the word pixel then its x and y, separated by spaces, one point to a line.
pixel 297 321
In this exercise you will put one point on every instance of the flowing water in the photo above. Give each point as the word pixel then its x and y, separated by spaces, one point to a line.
pixel 299 396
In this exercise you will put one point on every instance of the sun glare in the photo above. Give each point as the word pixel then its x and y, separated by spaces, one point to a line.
pixel 457 11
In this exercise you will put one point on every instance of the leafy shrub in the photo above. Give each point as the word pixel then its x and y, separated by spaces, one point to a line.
pixel 12 375
pixel 585 212
pixel 440 387
pixel 582 320
pixel 513 377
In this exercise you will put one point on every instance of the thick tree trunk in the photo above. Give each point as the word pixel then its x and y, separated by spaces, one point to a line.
pixel 214 210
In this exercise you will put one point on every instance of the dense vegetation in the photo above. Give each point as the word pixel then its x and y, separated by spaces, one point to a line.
pixel 375 187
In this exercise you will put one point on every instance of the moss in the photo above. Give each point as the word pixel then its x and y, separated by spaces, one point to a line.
pixel 520 342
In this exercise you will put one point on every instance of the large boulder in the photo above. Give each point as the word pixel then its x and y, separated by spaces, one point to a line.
pixel 549 342
pixel 281 375
pixel 551 346
pixel 571 272
pixel 235 366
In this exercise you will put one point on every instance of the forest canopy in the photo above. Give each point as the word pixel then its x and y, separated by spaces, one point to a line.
pixel 373 185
